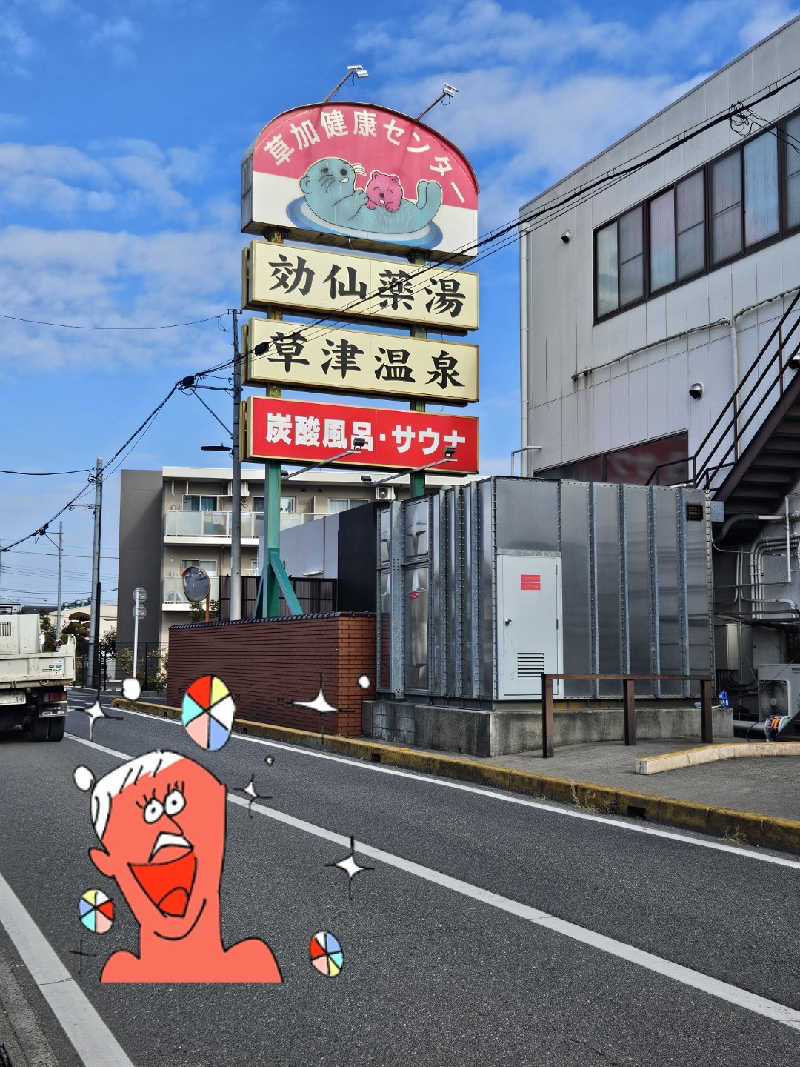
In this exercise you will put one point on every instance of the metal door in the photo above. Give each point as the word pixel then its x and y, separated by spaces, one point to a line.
pixel 529 632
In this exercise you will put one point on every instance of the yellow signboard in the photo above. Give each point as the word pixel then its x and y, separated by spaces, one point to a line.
pixel 326 359
pixel 360 287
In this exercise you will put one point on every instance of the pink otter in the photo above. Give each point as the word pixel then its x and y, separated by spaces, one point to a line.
pixel 384 190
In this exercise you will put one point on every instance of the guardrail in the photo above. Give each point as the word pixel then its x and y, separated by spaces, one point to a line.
pixel 628 702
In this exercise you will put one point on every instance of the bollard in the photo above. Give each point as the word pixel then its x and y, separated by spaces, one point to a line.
pixel 706 720
pixel 629 701
pixel 547 716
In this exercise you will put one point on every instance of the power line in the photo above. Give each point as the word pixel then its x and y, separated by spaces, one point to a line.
pixel 65 555
pixel 47 474
pixel 73 326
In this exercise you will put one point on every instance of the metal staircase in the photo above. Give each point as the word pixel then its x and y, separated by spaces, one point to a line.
pixel 750 456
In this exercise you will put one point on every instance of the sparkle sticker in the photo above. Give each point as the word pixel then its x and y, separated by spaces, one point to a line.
pixel 349 865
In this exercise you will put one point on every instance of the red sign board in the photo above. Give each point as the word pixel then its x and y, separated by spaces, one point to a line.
pixel 531 582
pixel 362 172
pixel 299 431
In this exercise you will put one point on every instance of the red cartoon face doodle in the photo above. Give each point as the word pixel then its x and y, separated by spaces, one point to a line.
pixel 161 823
pixel 165 839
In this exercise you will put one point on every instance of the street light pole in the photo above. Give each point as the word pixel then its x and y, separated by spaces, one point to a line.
pixel 235 602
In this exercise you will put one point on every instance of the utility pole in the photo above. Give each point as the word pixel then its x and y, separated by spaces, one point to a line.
pixel 58 594
pixel 93 663
pixel 417 479
pixel 235 601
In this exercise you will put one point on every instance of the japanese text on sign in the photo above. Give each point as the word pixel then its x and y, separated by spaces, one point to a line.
pixel 358 287
pixel 316 357
pixel 303 432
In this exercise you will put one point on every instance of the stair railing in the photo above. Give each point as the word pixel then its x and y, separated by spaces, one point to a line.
pixel 701 473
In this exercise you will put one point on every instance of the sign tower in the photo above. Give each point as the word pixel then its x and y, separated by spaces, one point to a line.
pixel 359 184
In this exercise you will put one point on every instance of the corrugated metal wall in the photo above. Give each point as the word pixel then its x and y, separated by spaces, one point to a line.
pixel 637 583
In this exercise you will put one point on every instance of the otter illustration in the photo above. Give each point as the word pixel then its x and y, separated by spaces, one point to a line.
pixel 384 190
pixel 329 190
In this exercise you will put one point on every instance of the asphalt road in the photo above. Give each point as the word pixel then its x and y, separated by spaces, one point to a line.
pixel 492 930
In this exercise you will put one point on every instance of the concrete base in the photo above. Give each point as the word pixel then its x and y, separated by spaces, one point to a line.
pixel 499 731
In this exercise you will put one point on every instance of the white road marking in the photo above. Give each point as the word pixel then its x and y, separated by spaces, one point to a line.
pixel 506 798
pixel 741 998
pixel 91 1038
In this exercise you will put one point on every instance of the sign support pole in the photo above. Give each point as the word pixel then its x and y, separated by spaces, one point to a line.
pixel 135 630
pixel 417 480
pixel 274 579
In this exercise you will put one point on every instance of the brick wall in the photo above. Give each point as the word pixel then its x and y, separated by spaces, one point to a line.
pixel 271 662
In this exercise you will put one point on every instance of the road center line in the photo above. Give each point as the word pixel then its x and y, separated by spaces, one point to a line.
pixel 91 1038
pixel 741 998
pixel 506 798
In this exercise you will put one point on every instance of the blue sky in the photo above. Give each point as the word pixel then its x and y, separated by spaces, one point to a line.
pixel 121 131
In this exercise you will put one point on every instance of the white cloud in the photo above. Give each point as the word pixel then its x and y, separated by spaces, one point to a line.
pixel 766 19
pixel 16 46
pixel 127 175
pixel 98 278
pixel 117 35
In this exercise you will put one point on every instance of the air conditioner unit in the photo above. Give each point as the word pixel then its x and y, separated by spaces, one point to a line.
pixel 384 492
pixel 778 689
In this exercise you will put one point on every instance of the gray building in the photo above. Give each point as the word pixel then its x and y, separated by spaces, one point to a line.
pixel 660 304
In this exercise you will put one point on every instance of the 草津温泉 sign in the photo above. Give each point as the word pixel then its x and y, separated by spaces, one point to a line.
pixel 359 362
pixel 308 279
pixel 363 175
pixel 298 431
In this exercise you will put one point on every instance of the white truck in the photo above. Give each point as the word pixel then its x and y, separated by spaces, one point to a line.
pixel 32 682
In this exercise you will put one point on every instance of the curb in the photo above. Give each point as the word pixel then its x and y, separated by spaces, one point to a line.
pixel 692 757
pixel 741 826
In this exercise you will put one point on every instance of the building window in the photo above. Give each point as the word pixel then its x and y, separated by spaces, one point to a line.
pixel 288 504
pixel 335 506
pixel 761 212
pixel 606 270
pixel 691 225
pixel 199 503
pixel 631 258
pixel 620 263
pixel 726 207
pixel 662 240
pixel 753 196
pixel 792 147
pixel 208 565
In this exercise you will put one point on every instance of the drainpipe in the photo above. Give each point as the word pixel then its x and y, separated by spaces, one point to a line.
pixel 523 335
pixel 735 367
pixel 788 543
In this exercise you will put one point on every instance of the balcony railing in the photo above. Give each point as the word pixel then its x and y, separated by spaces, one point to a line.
pixel 174 594
pixel 218 523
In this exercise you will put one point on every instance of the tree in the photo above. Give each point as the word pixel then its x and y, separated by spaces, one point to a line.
pixel 78 626
pixel 48 633
pixel 108 643
pixel 199 611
